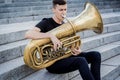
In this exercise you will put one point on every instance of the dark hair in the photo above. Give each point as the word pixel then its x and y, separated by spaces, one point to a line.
pixel 59 2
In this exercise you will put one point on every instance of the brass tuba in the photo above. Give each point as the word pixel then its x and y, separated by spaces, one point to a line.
pixel 39 54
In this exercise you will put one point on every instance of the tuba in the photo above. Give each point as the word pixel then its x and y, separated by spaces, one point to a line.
pixel 39 54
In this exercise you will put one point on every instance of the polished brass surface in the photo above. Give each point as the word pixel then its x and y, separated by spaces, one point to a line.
pixel 39 54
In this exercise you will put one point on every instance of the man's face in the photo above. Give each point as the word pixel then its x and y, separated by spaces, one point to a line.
pixel 60 10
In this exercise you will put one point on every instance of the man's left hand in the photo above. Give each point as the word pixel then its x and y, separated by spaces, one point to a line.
pixel 75 51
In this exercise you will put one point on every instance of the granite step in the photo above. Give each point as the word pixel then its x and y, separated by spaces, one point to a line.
pixel 109 10
pixel 32 8
pixel 35 3
pixel 16 69
pixel 108 52
pixel 100 5
pixel 10 33
pixel 30 12
pixel 39 17
pixel 15 49
pixel 12 50
pixel 96 41
pixel 118 78
pixel 26 13
pixel 71 8
pixel 31 3
pixel 14 32
pixel 115 62
pixel 108 28
pixel 12 66
pixel 106 72
pixel 113 17
pixel 34 0
pixel 1 1
pixel 30 15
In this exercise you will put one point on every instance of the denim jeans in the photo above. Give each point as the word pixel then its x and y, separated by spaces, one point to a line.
pixel 79 62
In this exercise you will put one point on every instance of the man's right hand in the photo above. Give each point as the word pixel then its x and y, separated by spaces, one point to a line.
pixel 56 42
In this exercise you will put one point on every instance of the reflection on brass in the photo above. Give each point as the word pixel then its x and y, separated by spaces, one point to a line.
pixel 40 54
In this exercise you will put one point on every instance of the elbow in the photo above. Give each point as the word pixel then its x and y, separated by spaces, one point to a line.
pixel 27 35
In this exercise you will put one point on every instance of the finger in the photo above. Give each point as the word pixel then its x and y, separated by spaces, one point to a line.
pixel 77 50
pixel 55 47
pixel 74 54
pixel 74 50
pixel 59 45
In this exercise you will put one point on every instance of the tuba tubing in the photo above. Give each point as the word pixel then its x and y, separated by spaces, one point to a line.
pixel 88 19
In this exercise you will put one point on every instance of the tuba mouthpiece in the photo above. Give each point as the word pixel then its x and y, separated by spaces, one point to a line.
pixel 64 16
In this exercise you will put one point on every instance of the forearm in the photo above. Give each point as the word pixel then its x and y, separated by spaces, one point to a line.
pixel 36 35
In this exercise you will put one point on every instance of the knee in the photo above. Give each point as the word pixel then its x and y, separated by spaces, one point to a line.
pixel 81 61
pixel 96 55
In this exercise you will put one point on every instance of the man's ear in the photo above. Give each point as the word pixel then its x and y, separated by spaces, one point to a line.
pixel 53 10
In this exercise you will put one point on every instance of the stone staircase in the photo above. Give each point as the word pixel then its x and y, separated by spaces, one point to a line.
pixel 17 16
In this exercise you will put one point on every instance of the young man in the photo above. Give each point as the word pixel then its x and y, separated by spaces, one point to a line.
pixel 79 60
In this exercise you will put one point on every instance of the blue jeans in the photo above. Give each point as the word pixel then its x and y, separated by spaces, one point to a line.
pixel 80 63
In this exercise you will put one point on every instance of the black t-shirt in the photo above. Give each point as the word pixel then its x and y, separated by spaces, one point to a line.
pixel 47 24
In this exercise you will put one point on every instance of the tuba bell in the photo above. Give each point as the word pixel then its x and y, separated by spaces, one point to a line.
pixel 39 54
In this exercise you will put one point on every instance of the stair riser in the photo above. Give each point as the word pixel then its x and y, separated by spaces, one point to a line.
pixel 38 17
pixel 30 3
pixel 106 29
pixel 15 40
pixel 11 37
pixel 98 42
pixel 34 12
pixel 38 3
pixel 41 7
pixel 11 54
pixel 32 8
pixel 17 51
pixel 19 35
pixel 23 71
pixel 111 20
pixel 112 75
pixel 17 73
pixel 108 54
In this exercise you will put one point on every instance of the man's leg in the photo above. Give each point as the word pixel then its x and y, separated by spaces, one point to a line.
pixel 71 64
pixel 94 58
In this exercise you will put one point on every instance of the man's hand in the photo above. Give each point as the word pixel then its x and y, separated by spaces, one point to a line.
pixel 75 51
pixel 56 42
